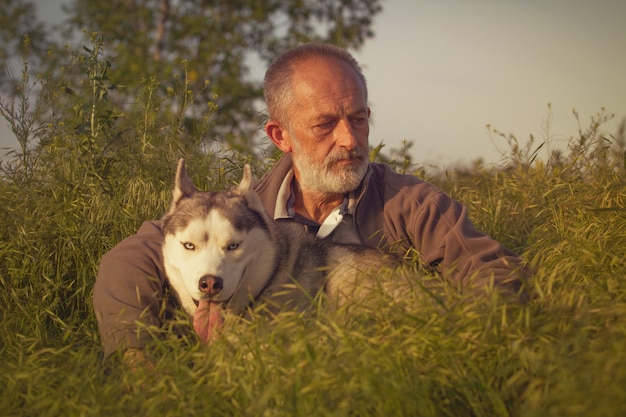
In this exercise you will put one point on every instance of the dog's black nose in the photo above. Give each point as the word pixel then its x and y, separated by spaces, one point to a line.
pixel 210 284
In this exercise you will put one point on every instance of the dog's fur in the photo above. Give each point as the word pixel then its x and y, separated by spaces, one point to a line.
pixel 224 247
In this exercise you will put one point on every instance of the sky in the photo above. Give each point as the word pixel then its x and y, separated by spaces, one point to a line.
pixel 440 71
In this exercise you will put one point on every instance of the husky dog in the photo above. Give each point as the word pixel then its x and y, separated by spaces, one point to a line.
pixel 222 250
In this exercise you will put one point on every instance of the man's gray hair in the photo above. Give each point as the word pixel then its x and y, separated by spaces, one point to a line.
pixel 277 83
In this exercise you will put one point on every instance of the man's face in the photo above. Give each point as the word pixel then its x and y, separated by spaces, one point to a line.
pixel 329 127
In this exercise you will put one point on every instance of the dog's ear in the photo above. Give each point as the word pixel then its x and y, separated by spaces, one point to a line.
pixel 247 183
pixel 246 189
pixel 183 186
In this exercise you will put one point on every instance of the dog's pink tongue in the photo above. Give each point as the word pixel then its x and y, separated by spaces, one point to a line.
pixel 208 320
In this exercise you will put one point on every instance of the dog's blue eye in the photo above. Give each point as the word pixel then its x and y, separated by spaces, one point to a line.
pixel 233 246
pixel 188 245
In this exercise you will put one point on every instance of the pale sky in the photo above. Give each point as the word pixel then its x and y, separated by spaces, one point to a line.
pixel 439 71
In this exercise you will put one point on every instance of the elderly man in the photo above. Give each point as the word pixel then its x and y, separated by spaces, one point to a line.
pixel 316 97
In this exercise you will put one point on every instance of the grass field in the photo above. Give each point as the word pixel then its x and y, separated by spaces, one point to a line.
pixel 564 353
pixel 67 200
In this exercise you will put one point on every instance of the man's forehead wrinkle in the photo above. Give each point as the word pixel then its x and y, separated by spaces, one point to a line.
pixel 330 103
pixel 318 94
pixel 325 114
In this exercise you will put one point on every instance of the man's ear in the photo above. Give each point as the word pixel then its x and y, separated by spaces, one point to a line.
pixel 278 135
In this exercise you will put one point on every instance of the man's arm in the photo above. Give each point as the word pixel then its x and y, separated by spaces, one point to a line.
pixel 463 254
pixel 129 289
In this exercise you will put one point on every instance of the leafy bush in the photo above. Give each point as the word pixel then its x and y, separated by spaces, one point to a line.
pixel 86 179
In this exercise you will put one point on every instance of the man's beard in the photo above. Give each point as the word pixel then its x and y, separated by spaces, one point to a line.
pixel 327 177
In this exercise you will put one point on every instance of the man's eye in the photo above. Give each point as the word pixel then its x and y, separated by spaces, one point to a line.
pixel 232 246
pixel 326 125
pixel 188 245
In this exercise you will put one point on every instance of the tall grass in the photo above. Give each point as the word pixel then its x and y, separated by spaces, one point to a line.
pixel 91 174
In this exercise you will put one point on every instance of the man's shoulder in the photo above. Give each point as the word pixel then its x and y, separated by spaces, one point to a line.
pixel 269 184
pixel 384 178
pixel 274 177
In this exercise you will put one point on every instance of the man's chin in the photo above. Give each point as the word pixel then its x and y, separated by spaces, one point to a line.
pixel 339 176
pixel 349 174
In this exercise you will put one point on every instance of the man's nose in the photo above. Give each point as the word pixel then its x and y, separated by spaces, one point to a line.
pixel 345 135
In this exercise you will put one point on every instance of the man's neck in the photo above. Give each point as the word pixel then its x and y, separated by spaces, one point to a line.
pixel 316 206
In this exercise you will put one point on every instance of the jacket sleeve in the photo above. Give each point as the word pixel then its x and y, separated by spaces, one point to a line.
pixel 405 213
pixel 448 241
pixel 129 288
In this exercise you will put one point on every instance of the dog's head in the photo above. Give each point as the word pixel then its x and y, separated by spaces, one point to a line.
pixel 216 244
